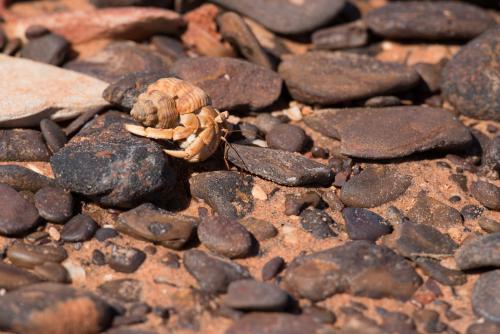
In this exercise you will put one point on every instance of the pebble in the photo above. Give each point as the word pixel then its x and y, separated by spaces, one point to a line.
pixel 124 259
pixel 224 237
pixel 265 122
pixel 363 224
pixel 482 252
pixel 118 59
pixel 492 154
pixel 287 17
pixel 295 204
pixel 460 180
pixel 125 290
pixel 30 256
pixel 273 323
pixel 221 79
pixel 80 228
pixel 486 296
pixel 54 136
pixel 382 133
pixel 13 278
pixel 428 321
pixel 428 20
pixel 441 274
pixel 489 225
pixel 26 96
pixel 53 308
pixel 483 328
pixel 146 222
pixel 272 268
pixel 342 36
pixel 333 201
pixel 54 204
pixel 374 186
pixel 98 258
pixel 260 229
pixel 471 211
pixel 105 233
pixel 12 46
pixel 168 47
pixel 327 78
pixel 36 31
pixel 287 137
pixel 86 164
pixel 17 215
pixel 487 194
pixel 354 267
pixel 228 193
pixel 318 223
pixel 49 49
pixel 428 210
pixel 251 295
pixel 22 145
pixel 411 240
pixel 383 102
pixel 52 272
pixel 470 78
pixel 285 168
pixel 431 75
pixel 213 274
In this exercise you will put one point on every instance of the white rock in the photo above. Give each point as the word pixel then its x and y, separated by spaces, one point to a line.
pixel 31 91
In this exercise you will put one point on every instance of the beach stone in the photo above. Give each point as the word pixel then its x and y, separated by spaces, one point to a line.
pixel 441 274
pixel 422 20
pixel 374 186
pixel 252 295
pixel 358 267
pixel 342 36
pixel 52 272
pixel 87 164
pixel 232 84
pixel 12 277
pixel 486 296
pixel 487 194
pixel 382 133
pixel 22 145
pixel 54 136
pixel 54 204
pixel 125 290
pixel 17 215
pixel 213 274
pixel 430 211
pixel 383 101
pixel 281 167
pixel 287 137
pixel 146 222
pixel 327 78
pixel 272 268
pixel 29 256
pixel 363 224
pixel 49 49
pixel 287 17
pixel 23 179
pixel 260 229
pixel 26 98
pixel 273 323
pixel 118 59
pixel 36 31
pixel 53 308
pixel 489 225
pixel 492 154
pixel 228 193
pixel 124 259
pixel 80 26
pixel 470 79
pixel 265 122
pixel 168 47
pixel 80 228
pixel 318 223
pixel 482 252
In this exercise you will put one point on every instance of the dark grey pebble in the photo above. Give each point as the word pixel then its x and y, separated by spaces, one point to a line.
pixel 17 215
pixel 80 228
pixel 54 204
pixel 54 136
pixel 363 224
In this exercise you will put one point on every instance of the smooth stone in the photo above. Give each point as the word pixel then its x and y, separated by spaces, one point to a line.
pixel 265 122
pixel 487 194
pixel 362 224
pixel 260 229
pixel 13 278
pixel 54 204
pixel 54 136
pixel 146 222
pixel 87 164
pixel 295 204
pixel 326 78
pixel 80 26
pixel 118 59
pixel 224 237
pixel 23 179
pixel 22 145
pixel 105 233
pixel 358 267
pixel 281 167
pixel 252 295
pixel 124 259
pixel 318 223
pixel 80 228
pixel 287 137
pixel 49 49
pixel 221 79
pixel 429 20
pixel 470 79
pixel 233 29
pixel 53 308
pixel 272 268
pixel 287 17
pixel 17 215
pixel 460 180
pixel 124 290
pixel 486 296
pixel 430 211
pixel 273 323
pixel 36 31
pixel 482 252
pixel 228 193
pixel 213 274
pixel 392 132
pixel 26 98
pixel 383 101
pixel 30 256
pixel 492 154
pixel 412 240
pixel 342 36
pixel 441 274
pixel 52 272
pixel 489 225
pixel 374 186
pixel 169 47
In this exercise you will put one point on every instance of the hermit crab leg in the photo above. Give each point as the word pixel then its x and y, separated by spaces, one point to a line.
pixel 153 133
pixel 200 147
pixel 189 125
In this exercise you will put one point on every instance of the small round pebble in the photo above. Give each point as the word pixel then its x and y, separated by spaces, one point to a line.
pixel 80 228
pixel 105 233
pixel 272 268
pixel 54 204
pixel 287 137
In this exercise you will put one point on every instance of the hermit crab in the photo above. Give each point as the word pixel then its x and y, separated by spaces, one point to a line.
pixel 177 110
